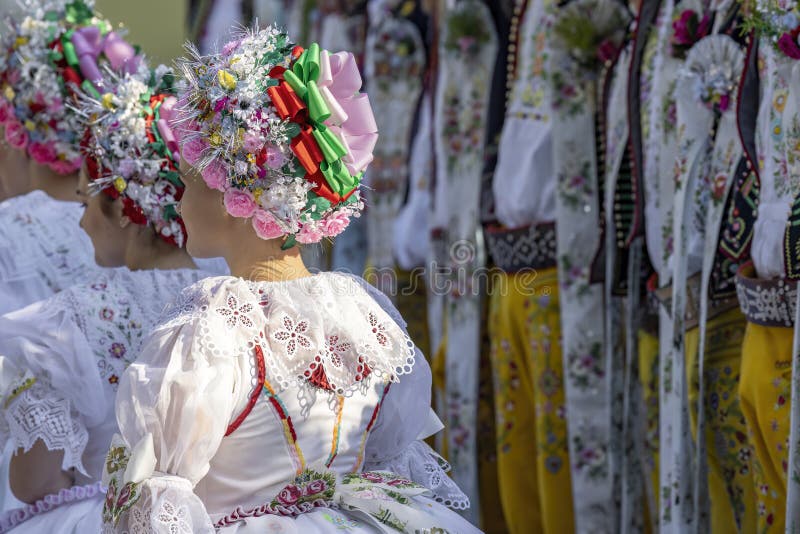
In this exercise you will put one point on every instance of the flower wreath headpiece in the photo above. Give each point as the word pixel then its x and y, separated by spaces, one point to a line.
pixel 57 48
pixel 131 151
pixel 778 21
pixel 282 131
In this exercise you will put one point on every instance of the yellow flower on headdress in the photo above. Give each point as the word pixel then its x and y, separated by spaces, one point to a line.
pixel 20 41
pixel 30 125
pixel 215 139
pixel 108 101
pixel 119 184
pixel 257 195
pixel 9 93
pixel 226 80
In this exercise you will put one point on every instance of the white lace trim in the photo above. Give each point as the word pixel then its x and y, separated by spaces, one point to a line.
pixel 421 464
pixel 36 413
pixel 327 331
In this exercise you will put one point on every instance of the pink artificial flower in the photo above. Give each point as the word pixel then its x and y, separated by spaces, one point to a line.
pixel 65 167
pixel 239 203
pixel 309 233
pixel 607 51
pixel 55 106
pixel 788 43
pixel 265 225
pixel 215 175
pixel 275 158
pixel 16 135
pixel 127 167
pixel 192 150
pixel 688 28
pixel 252 143
pixel 230 47
pixel 44 153
pixel 335 223
pixel 6 111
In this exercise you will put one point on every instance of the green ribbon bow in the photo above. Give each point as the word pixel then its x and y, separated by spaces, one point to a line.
pixel 302 78
pixel 77 13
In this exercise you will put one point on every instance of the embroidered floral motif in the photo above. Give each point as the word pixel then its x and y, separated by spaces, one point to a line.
pixel 341 523
pixel 334 350
pixel 176 519
pixel 292 335
pixel 379 330
pixel 586 367
pixel 119 497
pixel 236 314
pixel 591 457
pixel 308 487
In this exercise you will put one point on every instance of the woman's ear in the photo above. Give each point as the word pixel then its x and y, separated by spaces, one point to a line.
pixel 124 221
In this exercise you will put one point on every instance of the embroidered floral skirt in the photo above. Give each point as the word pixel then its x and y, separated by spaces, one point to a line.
pixel 765 396
pixel 532 454
pixel 648 376
pixel 729 452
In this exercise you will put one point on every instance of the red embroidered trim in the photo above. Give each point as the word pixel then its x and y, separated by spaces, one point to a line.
pixel 251 402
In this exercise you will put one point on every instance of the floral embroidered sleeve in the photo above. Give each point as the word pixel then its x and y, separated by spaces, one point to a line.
pixel 173 407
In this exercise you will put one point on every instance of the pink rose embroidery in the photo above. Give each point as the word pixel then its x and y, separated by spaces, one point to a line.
pixel 265 225
pixel 215 175
pixel 316 487
pixel 289 495
pixel 16 135
pixel 239 203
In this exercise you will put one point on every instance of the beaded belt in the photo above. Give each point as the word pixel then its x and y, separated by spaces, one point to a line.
pixel 766 302
pixel 715 306
pixel 525 247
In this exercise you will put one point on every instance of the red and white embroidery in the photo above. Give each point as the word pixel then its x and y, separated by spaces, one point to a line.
pixel 292 335
pixel 335 350
pixel 236 314
pixel 379 330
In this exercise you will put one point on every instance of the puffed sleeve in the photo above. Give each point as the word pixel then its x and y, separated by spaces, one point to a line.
pixel 406 418
pixel 173 408
pixel 49 389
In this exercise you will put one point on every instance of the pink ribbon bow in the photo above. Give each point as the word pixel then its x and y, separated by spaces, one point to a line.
pixel 167 113
pixel 351 117
pixel 89 44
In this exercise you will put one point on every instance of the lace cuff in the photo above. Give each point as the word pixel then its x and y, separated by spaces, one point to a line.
pixel 142 500
pixel 32 411
pixel 421 464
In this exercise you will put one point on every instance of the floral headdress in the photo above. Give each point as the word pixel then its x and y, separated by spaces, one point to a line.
pixel 46 57
pixel 282 131
pixel 778 21
pixel 131 151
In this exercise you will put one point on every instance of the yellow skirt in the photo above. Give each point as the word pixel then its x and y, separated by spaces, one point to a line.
pixel 532 446
pixel 649 378
pixel 765 393
pixel 730 478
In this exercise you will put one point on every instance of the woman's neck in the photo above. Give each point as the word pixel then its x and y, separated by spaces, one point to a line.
pixel 265 261
pixel 160 255
pixel 58 187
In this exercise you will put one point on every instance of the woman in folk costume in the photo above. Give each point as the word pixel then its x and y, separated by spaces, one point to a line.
pixel 709 154
pixel 57 49
pixel 276 400
pixel 767 289
pixel 524 326
pixel 61 359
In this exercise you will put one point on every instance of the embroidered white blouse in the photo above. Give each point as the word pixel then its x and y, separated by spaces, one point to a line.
pixel 524 182
pixel 257 407
pixel 60 364
pixel 777 137
pixel 42 249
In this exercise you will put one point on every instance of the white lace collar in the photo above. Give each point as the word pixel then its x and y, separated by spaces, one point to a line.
pixel 326 330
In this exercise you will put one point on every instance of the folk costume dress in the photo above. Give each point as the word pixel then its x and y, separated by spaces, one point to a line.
pixel 290 406
pixel 43 250
pixel 767 290
pixel 532 444
pixel 61 360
